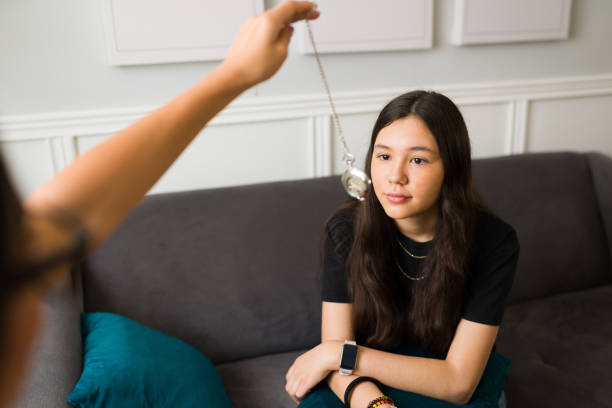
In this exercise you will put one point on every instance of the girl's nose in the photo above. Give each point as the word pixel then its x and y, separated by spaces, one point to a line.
pixel 398 175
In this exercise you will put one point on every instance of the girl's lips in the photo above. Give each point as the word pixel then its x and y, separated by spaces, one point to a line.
pixel 397 198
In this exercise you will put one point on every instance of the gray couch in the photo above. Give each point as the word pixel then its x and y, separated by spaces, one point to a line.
pixel 234 272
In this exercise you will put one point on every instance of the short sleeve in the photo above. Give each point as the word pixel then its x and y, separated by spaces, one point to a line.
pixel 338 241
pixel 492 274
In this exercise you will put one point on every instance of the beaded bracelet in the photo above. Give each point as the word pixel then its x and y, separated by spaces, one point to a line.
pixel 381 401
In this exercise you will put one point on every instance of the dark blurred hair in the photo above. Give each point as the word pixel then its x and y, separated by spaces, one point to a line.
pixel 11 235
pixel 381 315
pixel 16 270
pixel 12 215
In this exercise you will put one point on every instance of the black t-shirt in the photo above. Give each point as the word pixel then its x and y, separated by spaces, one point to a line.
pixel 492 264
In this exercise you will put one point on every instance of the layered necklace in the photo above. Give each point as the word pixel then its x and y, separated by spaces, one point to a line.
pixel 414 278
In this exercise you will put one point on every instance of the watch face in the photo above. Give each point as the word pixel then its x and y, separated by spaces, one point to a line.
pixel 349 355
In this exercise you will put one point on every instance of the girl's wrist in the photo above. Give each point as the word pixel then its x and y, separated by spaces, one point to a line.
pixel 229 78
pixel 382 402
pixel 333 351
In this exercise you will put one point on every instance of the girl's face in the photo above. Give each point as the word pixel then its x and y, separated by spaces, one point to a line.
pixel 407 171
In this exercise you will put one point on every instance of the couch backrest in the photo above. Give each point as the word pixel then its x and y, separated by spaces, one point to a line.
pixel 550 200
pixel 232 271
pixel 601 171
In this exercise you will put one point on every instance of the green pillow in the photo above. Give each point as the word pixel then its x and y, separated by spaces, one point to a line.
pixel 486 395
pixel 126 364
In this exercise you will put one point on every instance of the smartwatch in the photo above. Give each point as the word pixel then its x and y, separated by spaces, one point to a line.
pixel 348 358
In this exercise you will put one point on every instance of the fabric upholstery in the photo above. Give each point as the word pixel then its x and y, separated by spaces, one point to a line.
pixel 259 382
pixel 128 365
pixel 601 171
pixel 56 363
pixel 560 350
pixel 550 201
pixel 232 272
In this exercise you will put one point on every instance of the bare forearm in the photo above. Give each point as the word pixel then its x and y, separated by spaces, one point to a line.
pixel 426 376
pixel 104 184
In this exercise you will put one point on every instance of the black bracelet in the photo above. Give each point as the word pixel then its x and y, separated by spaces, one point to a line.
pixel 349 388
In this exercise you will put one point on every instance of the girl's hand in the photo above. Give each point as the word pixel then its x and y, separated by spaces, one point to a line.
pixel 312 367
pixel 261 45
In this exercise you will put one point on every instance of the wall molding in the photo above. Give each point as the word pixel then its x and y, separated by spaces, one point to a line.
pixel 263 109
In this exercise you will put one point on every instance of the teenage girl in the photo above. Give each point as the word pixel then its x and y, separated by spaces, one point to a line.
pixel 420 262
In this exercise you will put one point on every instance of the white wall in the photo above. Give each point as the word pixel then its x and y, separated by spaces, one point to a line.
pixel 58 96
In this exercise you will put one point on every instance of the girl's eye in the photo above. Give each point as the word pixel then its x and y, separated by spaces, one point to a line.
pixel 383 156
pixel 418 160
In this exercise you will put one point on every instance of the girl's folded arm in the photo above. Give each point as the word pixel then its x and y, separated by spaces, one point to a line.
pixel 453 379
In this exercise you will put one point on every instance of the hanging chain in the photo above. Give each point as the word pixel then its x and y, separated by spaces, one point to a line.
pixel 348 157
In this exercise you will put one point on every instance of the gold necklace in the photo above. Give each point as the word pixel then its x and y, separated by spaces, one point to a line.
pixel 405 274
pixel 410 253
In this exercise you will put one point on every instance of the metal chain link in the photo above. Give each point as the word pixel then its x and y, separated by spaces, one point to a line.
pixel 348 157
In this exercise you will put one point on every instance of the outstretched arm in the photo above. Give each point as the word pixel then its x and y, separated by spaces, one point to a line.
pixel 103 185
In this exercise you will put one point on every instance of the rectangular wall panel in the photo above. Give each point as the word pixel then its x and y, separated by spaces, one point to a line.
pixel 30 163
pixel 238 154
pixel 363 25
pixel 486 125
pixel 501 21
pixel 158 31
pixel 580 124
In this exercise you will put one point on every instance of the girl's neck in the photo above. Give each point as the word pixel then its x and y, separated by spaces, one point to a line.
pixel 421 227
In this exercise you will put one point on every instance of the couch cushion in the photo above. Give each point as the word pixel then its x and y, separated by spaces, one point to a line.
pixel 550 201
pixel 232 271
pixel 259 382
pixel 130 365
pixel 560 350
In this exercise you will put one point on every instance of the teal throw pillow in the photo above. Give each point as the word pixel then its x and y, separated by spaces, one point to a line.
pixel 486 395
pixel 126 364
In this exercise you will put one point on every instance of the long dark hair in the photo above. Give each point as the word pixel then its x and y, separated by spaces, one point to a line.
pixel 381 315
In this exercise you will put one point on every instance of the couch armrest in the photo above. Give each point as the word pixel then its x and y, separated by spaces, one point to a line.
pixel 601 171
pixel 55 365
